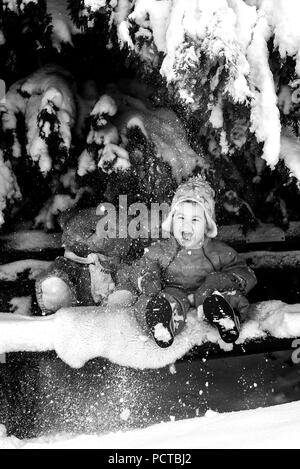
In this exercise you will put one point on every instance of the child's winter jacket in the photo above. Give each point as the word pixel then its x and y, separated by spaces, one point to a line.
pixel 215 266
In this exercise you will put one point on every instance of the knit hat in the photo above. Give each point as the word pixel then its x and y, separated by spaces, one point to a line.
pixel 196 190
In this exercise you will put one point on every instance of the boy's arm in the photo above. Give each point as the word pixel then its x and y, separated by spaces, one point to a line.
pixel 230 272
pixel 232 264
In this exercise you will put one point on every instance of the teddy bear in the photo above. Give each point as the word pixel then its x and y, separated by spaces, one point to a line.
pixel 85 274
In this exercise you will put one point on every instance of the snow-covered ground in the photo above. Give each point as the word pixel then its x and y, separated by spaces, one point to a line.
pixel 271 427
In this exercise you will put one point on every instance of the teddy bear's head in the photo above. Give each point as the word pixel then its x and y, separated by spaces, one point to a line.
pixel 81 236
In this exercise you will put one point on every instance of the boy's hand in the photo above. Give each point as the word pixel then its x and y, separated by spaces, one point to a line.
pixel 220 281
pixel 216 281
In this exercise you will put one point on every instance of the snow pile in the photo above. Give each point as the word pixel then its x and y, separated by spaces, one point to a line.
pixel 9 272
pixel 80 334
pixel 21 305
pixel 272 427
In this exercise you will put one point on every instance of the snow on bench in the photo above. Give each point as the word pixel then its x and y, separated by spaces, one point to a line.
pixel 81 334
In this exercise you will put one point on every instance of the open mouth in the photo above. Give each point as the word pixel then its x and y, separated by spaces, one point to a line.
pixel 186 236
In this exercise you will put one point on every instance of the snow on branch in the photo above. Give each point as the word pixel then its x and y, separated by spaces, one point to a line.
pixel 103 140
pixel 46 101
pixel 62 24
pixel 14 5
pixel 283 20
pixel 265 118
pixel 112 119
pixel 218 54
pixel 63 28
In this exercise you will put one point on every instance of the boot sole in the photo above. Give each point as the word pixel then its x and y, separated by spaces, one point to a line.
pixel 159 321
pixel 219 313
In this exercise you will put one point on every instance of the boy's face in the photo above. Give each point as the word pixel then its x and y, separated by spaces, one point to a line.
pixel 189 224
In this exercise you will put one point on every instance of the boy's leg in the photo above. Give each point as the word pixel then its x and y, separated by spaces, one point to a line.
pixel 166 315
pixel 220 309
pixel 238 302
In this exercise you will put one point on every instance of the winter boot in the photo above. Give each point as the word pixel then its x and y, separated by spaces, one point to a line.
pixel 219 313
pixel 166 315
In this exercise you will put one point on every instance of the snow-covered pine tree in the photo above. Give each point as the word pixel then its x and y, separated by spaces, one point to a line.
pixel 143 150
pixel 231 66
pixel 230 70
